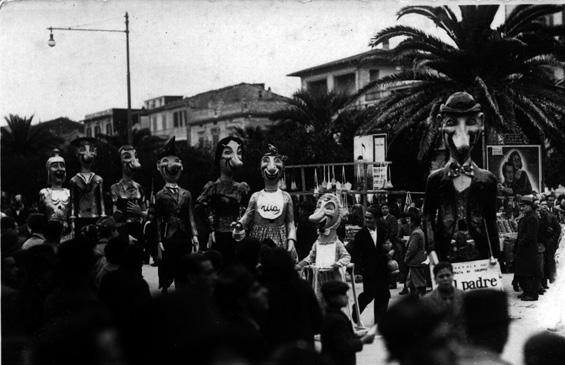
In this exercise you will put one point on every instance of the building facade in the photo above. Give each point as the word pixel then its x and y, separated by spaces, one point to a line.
pixel 349 75
pixel 205 118
pixel 110 122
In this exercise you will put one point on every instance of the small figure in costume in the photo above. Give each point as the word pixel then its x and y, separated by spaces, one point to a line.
pixel 461 191
pixel 270 211
pixel 224 198
pixel 55 201
pixel 174 214
pixel 328 256
pixel 87 199
pixel 127 195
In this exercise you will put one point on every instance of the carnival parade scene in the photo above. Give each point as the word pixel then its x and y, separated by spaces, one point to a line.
pixel 400 199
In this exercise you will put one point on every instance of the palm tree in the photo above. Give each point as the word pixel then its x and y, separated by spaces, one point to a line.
pixel 318 123
pixel 21 138
pixel 25 148
pixel 509 70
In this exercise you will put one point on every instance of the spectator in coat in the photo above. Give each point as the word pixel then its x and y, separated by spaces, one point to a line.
pixel 368 253
pixel 549 233
pixel 416 256
pixel 526 266
pixel 390 223
pixel 339 342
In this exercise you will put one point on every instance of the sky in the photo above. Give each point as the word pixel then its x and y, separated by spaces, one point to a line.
pixel 176 48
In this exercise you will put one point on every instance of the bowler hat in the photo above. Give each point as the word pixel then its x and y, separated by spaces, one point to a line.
pixel 332 288
pixel 460 103
pixel 485 308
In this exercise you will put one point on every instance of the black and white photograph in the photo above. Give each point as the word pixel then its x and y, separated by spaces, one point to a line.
pixel 281 182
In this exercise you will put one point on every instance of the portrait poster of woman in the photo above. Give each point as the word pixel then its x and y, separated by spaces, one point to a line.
pixel 517 167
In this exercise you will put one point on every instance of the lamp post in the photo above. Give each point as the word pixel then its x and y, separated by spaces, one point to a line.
pixel 52 43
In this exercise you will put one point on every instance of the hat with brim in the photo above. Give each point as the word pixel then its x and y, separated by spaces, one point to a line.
pixel 527 199
pixel 81 141
pixel 168 149
pixel 460 103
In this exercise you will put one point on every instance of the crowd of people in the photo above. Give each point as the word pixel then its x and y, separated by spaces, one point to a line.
pixel 85 300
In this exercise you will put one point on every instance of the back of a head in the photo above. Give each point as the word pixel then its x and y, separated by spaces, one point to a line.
pixel 233 284
pixel 53 231
pixel 189 266
pixel 486 318
pixel 414 330
pixel 7 223
pixel 133 259
pixel 115 251
pixel 247 252
pixel 36 222
pixel 75 260
pixel 277 264
pixel 545 348
pixel 216 259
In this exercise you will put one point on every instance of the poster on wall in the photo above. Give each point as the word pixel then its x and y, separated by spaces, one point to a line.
pixel 517 168
pixel 370 148
pixel 380 173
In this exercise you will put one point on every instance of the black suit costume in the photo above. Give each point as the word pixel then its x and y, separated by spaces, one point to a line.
pixel 441 212
pixel 371 259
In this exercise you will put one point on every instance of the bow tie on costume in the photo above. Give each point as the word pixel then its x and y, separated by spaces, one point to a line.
pixel 455 170
pixel 173 188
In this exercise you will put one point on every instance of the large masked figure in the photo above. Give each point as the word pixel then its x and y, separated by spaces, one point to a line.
pixel 270 211
pixel 55 201
pixel 127 194
pixel 328 256
pixel 176 228
pixel 224 198
pixel 87 199
pixel 460 198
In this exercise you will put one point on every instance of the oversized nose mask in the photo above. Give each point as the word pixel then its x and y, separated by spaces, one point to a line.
pixel 170 168
pixel 327 215
pixel 129 159
pixel 231 157
pixel 87 153
pixel 462 124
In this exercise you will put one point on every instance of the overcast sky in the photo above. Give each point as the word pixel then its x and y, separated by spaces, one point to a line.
pixel 176 48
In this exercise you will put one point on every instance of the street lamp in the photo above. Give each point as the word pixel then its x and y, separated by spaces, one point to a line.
pixel 52 43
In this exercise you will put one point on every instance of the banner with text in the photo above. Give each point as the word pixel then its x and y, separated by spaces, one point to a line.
pixel 479 274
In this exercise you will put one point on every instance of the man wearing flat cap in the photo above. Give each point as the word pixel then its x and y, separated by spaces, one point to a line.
pixel 461 194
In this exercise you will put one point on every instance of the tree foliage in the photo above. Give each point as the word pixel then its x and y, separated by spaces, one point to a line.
pixel 508 69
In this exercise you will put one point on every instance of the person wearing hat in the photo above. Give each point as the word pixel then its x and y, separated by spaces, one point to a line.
pixel 176 228
pixel 486 326
pixel 339 342
pixel 526 265
pixel 461 191
pixel 87 197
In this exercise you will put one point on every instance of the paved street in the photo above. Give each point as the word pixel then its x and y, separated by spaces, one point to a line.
pixel 528 318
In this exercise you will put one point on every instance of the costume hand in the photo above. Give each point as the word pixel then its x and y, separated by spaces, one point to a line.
pixel 195 244
pixel 433 258
pixel 290 245
pixel 238 232
pixel 134 209
pixel 211 239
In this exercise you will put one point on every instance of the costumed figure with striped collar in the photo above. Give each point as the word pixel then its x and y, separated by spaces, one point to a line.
pixel 128 197
pixel 460 201
pixel 55 200
pixel 176 228
pixel 224 199
pixel 270 213
pixel 87 199
pixel 328 257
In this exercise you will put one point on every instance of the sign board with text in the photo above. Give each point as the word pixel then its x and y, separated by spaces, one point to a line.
pixel 478 274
